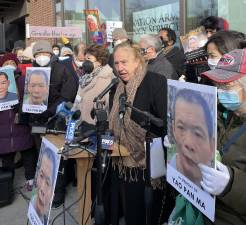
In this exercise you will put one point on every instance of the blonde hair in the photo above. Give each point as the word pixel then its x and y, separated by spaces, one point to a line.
pixel 133 48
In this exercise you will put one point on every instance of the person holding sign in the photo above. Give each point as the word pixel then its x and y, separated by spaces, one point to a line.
pixel 5 95
pixel 38 88
pixel 227 181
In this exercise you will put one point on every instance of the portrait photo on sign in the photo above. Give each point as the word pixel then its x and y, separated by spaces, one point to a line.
pixel 194 40
pixel 192 132
pixel 44 184
pixel 36 90
pixel 8 91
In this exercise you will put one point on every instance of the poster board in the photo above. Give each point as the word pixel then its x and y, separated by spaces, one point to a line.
pixel 36 95
pixel 192 132
pixel 44 184
pixel 193 44
pixel 8 90
pixel 93 25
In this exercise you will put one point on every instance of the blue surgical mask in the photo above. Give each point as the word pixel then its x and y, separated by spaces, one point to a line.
pixel 229 99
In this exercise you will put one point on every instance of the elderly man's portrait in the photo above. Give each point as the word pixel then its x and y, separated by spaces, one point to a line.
pixel 44 185
pixel 36 89
pixel 191 130
pixel 6 95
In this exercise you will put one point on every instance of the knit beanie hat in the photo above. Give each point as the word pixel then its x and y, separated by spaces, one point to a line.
pixel 42 46
pixel 9 56
pixel 119 33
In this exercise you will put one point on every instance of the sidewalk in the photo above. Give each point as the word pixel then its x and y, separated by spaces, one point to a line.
pixel 16 213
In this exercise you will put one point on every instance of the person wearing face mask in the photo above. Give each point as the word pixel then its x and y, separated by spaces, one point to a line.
pixel 93 83
pixel 173 54
pixel 157 63
pixel 56 50
pixel 227 181
pixel 74 64
pixel 219 44
pixel 15 132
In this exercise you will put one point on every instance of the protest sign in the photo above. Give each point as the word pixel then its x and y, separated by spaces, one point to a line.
pixel 192 123
pixel 44 184
pixel 8 91
pixel 36 90
pixel 193 45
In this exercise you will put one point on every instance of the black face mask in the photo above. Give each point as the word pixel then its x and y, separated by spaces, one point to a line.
pixel 26 61
pixel 164 43
pixel 87 67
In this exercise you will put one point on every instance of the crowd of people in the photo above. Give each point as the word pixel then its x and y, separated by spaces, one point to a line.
pixel 80 73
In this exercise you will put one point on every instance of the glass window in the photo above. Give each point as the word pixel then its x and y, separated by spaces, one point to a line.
pixel 234 13
pixel 58 13
pixel 196 10
pixel 145 17
pixel 74 16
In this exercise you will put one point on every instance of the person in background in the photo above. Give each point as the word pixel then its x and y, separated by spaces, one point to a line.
pixel 151 48
pixel 227 180
pixel 18 49
pixel 66 52
pixel 173 54
pixel 15 133
pixel 92 84
pixel 146 91
pixel 213 24
pixel 119 35
pixel 219 44
pixel 74 64
pixel 56 49
pixel 27 59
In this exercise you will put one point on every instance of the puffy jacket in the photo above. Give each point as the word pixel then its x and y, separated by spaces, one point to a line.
pixel 14 137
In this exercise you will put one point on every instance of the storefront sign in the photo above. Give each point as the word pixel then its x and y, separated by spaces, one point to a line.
pixel 110 26
pixel 150 21
pixel 53 32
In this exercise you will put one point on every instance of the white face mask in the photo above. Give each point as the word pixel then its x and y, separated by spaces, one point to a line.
pixel 78 63
pixel 9 67
pixel 56 52
pixel 42 60
pixel 212 63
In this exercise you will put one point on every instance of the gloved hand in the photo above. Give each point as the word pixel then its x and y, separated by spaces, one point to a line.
pixel 214 181
pixel 182 78
pixel 166 142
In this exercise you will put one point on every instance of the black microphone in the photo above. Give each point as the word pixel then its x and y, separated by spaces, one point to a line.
pixel 122 105
pixel 107 89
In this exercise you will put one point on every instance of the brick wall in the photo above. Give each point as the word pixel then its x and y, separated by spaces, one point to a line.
pixel 40 13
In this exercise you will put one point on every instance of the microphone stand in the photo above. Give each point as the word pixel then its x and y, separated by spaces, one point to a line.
pixel 101 126
pixel 149 119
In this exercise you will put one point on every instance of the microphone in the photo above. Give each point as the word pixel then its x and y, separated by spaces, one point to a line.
pixel 106 90
pixel 122 105
pixel 72 126
pixel 64 109
pixel 107 145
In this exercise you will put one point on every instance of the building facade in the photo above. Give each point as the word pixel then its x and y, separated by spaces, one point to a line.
pixel 138 16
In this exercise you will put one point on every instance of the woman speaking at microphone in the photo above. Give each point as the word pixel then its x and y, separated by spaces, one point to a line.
pixel 148 92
